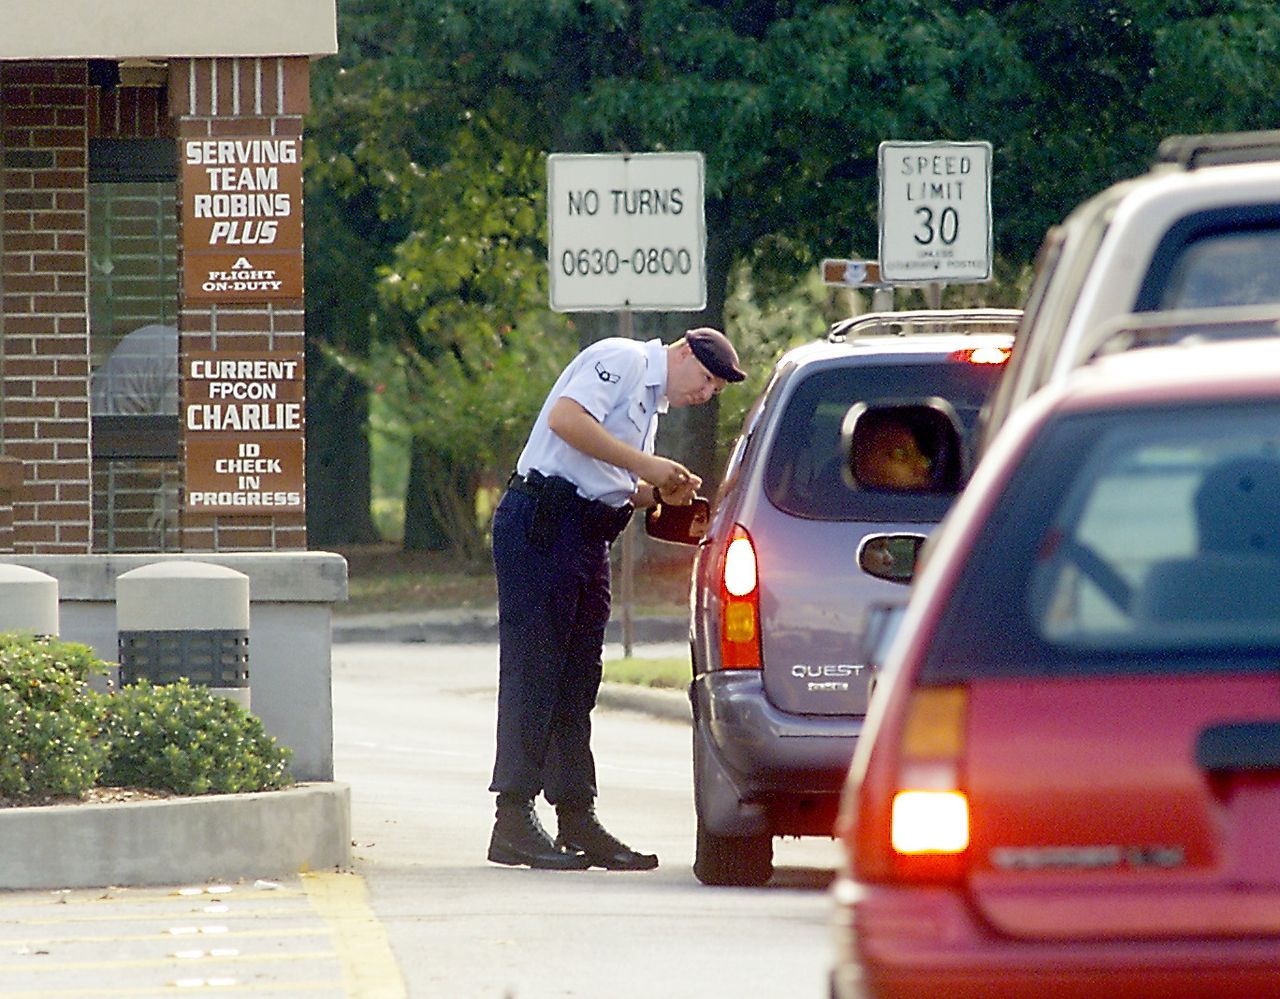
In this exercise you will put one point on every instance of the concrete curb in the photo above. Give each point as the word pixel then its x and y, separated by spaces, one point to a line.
pixel 671 705
pixel 177 840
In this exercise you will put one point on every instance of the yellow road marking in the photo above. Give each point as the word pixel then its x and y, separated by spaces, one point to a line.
pixel 369 968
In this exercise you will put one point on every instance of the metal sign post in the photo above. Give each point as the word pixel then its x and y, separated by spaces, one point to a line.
pixel 860 274
pixel 628 537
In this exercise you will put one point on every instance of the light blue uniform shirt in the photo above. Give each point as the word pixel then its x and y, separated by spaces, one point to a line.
pixel 622 383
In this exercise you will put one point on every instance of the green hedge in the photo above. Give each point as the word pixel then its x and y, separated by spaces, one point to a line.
pixel 59 737
pixel 187 739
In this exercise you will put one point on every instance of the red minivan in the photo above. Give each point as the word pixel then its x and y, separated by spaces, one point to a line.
pixel 1069 779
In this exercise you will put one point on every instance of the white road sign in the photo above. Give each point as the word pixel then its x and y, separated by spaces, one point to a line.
pixel 626 232
pixel 935 211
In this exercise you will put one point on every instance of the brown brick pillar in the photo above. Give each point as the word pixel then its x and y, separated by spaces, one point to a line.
pixel 44 278
pixel 11 471
pixel 241 97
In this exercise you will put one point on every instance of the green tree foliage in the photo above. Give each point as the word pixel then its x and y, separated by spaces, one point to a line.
pixel 788 101
pixel 1103 83
pixel 1212 64
pixel 467 347
pixel 452 186
pixel 348 238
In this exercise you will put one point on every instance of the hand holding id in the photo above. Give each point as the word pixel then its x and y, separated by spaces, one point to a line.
pixel 677 484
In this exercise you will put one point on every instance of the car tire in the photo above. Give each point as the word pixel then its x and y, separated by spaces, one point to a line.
pixel 741 861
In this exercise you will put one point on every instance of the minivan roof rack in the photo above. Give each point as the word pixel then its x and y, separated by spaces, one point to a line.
pixel 1192 151
pixel 979 320
pixel 1151 329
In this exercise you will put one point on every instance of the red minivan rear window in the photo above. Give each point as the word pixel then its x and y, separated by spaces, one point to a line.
pixel 1145 540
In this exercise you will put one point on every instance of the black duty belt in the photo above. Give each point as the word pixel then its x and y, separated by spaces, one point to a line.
pixel 558 497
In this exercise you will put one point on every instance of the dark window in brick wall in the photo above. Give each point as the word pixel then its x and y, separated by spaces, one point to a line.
pixel 133 305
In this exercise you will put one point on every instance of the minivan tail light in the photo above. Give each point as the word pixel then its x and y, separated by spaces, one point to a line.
pixel 929 817
pixel 740 567
pixel 740 603
pixel 983 355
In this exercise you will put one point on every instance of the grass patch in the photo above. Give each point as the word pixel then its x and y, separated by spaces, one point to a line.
pixel 672 673
pixel 419 591
pixel 383 577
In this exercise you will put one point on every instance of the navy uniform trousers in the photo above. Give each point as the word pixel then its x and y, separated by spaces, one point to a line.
pixel 553 606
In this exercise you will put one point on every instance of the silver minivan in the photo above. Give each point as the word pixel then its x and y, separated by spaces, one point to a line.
pixel 779 606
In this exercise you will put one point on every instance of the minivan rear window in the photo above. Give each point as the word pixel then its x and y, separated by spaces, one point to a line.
pixel 804 473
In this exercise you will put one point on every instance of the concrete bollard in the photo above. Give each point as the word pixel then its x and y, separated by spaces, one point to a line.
pixel 28 601
pixel 185 619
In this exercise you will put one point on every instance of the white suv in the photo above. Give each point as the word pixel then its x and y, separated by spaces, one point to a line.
pixel 1200 229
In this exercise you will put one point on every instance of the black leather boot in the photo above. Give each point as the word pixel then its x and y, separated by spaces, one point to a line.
pixel 581 830
pixel 519 840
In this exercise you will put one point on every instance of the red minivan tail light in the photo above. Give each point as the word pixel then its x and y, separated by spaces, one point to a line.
pixel 930 812
pixel 915 824
pixel 929 822
pixel 739 603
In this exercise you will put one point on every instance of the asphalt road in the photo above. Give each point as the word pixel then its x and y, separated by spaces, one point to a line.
pixel 414 736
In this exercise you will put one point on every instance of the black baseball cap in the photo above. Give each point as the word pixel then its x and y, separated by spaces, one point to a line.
pixel 713 349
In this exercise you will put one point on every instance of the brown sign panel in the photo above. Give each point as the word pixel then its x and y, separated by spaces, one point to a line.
pixel 227 475
pixel 242 193
pixel 242 218
pixel 229 378
pixel 243 418
pixel 851 273
pixel 250 276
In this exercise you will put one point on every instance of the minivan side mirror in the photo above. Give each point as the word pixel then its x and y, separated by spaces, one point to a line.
pixel 679 525
pixel 914 447
pixel 891 557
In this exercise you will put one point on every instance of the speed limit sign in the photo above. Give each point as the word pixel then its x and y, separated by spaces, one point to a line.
pixel 935 212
